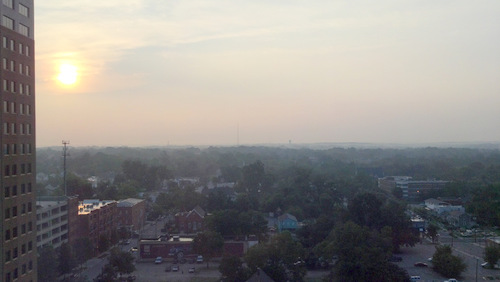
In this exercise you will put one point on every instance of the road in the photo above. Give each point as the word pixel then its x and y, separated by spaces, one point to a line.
pixel 470 251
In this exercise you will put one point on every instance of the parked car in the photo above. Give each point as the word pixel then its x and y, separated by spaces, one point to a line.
pixel 415 278
pixel 175 268
pixel 168 268
pixel 191 270
pixel 158 260
pixel 420 264
pixel 451 280
pixel 133 249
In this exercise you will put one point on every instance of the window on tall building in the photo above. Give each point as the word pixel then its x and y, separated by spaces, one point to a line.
pixel 13 86
pixel 24 30
pixel 13 107
pixel 30 246
pixel 7 22
pixel 12 45
pixel 30 226
pixel 12 66
pixel 6 170
pixel 8 3
pixel 5 85
pixel 7 234
pixel 23 189
pixel 21 48
pixel 27 90
pixel 28 110
pixel 6 191
pixel 14 189
pixel 29 187
pixel 7 256
pixel 30 207
pixel 27 50
pixel 4 63
pixel 23 229
pixel 7 213
pixel 14 211
pixel 4 42
pixel 21 68
pixel 23 10
pixel 6 149
pixel 21 88
pixel 27 70
pixel 14 232
pixel 21 109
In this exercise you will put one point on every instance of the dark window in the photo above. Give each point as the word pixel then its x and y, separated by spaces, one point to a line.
pixel 23 189
pixel 29 187
pixel 23 249
pixel 7 235
pixel 7 256
pixel 29 168
pixel 14 232
pixel 23 229
pixel 14 190
pixel 30 246
pixel 7 171
pixel 30 226
pixel 23 168
pixel 7 192
pixel 29 207
pixel 7 213
pixel 14 211
pixel 14 254
pixel 14 169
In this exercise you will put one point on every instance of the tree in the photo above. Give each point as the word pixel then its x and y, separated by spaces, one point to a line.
pixel 66 261
pixel 208 244
pixel 122 262
pixel 232 269
pixel 447 264
pixel 281 258
pixel 432 231
pixel 492 255
pixel 83 249
pixel 47 263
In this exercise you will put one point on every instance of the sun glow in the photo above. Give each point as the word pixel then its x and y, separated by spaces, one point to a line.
pixel 67 74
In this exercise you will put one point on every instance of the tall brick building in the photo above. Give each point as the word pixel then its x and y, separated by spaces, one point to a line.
pixel 17 142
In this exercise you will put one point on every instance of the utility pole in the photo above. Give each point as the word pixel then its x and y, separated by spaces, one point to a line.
pixel 65 154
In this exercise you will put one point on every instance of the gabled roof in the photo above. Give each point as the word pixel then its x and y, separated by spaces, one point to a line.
pixel 287 216
pixel 260 276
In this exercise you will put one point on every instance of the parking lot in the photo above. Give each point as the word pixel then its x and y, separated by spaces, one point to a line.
pixel 149 271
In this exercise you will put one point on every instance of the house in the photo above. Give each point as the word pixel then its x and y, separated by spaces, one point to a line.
pixel 440 207
pixel 190 222
pixel 460 219
pixel 287 222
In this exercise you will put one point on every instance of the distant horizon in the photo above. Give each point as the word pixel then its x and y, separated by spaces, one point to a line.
pixel 488 145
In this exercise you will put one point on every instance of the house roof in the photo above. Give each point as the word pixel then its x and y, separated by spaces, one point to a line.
pixel 130 202
pixel 260 276
pixel 287 216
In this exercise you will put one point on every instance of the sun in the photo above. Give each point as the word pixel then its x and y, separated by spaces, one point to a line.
pixel 67 74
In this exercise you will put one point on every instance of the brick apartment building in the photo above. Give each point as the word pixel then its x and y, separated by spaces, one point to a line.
pixel 96 218
pixel 131 213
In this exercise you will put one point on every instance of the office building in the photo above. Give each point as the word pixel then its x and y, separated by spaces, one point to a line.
pixel 410 189
pixel 17 142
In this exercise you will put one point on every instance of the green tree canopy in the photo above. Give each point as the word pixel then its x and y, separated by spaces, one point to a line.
pixel 447 264
pixel 208 244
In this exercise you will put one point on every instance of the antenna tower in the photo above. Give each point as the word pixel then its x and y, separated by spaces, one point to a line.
pixel 65 154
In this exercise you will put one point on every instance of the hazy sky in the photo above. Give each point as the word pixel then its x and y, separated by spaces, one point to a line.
pixel 158 72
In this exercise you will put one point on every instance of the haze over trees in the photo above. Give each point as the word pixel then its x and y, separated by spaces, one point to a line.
pixel 332 192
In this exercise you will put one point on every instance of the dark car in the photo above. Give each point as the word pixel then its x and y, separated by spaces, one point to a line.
pixel 420 264
pixel 168 268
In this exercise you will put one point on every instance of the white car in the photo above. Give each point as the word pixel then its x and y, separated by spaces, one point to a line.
pixel 451 280
pixel 158 260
